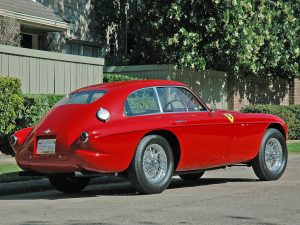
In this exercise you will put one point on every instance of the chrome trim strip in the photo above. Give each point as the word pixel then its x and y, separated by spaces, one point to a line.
pixel 84 137
pixel 161 112
pixel 180 121
pixel 158 100
pixel 13 140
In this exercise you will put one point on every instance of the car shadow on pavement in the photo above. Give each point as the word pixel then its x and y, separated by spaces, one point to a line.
pixel 119 187
pixel 179 183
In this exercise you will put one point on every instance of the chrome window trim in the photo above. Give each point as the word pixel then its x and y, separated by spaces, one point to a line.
pixel 159 103
pixel 158 100
pixel 156 97
pixel 81 92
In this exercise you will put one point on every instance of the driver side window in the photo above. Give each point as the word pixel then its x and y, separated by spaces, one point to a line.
pixel 178 99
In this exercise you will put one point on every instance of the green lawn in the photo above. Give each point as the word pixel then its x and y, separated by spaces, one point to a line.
pixel 9 167
pixel 294 147
pixel 9 172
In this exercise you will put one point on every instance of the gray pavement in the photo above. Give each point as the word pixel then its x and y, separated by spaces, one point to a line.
pixel 231 196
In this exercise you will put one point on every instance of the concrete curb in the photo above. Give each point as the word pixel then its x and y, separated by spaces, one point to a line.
pixel 43 184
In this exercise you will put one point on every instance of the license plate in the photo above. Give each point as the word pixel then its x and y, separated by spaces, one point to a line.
pixel 46 146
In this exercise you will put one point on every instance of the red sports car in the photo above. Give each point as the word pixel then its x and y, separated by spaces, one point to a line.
pixel 147 130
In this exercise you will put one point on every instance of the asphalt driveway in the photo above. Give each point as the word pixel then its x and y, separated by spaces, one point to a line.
pixel 231 196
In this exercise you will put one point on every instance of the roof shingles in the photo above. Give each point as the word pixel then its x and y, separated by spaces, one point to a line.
pixel 29 7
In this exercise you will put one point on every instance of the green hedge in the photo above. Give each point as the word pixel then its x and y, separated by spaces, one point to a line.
pixel 11 107
pixel 35 107
pixel 111 77
pixel 11 103
pixel 31 108
pixel 290 114
pixel 52 99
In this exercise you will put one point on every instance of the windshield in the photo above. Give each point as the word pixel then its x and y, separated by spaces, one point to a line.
pixel 84 97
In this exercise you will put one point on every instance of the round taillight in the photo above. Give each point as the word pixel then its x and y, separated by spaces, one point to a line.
pixel 13 140
pixel 84 137
pixel 103 114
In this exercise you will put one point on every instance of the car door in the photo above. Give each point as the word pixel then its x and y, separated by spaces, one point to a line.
pixel 204 135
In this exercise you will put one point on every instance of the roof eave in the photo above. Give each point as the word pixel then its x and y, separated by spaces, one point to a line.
pixel 38 22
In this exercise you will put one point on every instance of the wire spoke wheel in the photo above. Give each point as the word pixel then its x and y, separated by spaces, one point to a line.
pixel 152 166
pixel 155 163
pixel 273 154
pixel 271 160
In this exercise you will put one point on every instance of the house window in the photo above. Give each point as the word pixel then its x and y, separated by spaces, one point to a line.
pixel 82 49
pixel 29 41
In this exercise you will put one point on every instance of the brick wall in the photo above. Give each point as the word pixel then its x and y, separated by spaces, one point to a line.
pixel 245 90
pixel 295 92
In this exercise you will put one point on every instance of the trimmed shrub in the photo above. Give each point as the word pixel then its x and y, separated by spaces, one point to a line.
pixel 52 99
pixel 33 108
pixel 111 77
pixel 11 107
pixel 290 114
pixel 11 103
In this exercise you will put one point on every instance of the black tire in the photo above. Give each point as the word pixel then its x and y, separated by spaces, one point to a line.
pixel 136 171
pixel 192 176
pixel 260 165
pixel 69 185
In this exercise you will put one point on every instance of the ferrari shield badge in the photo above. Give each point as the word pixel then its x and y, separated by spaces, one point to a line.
pixel 230 117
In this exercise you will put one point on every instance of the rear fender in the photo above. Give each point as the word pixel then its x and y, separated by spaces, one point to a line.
pixel 21 136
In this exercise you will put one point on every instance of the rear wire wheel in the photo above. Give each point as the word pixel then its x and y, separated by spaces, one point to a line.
pixel 152 166
pixel 271 160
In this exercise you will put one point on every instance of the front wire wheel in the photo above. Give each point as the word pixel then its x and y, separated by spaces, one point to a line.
pixel 152 166
pixel 271 160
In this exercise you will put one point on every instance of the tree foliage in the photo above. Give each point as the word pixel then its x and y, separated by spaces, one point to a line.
pixel 110 21
pixel 112 77
pixel 237 36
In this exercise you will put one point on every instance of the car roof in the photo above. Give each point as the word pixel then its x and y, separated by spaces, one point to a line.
pixel 132 84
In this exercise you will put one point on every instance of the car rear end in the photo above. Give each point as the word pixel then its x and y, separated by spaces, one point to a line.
pixel 58 144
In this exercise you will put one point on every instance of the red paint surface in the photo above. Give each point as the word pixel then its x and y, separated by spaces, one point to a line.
pixel 207 139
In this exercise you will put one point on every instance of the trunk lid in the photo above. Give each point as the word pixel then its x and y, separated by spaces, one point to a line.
pixel 64 124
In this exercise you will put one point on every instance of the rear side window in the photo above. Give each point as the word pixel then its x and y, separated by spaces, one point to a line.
pixel 84 97
pixel 142 102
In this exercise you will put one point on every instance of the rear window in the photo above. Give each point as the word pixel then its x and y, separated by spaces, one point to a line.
pixel 84 97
